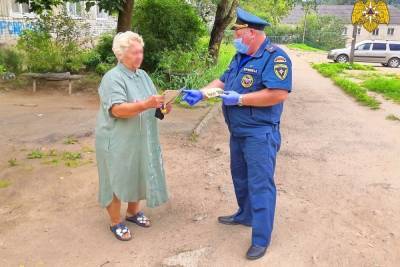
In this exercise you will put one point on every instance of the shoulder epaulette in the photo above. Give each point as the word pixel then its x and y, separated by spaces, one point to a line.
pixel 271 48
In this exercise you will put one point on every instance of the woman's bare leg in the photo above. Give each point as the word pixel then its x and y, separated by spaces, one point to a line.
pixel 133 208
pixel 114 211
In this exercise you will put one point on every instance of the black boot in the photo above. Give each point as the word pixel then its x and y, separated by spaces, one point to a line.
pixel 256 252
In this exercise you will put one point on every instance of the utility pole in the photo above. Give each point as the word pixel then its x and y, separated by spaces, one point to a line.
pixel 305 8
pixel 353 43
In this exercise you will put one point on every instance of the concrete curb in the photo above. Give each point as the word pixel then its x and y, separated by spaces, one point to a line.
pixel 214 110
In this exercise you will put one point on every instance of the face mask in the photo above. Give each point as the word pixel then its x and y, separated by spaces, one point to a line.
pixel 240 46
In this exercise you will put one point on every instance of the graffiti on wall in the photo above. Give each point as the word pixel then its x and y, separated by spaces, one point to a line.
pixel 10 28
pixel 13 27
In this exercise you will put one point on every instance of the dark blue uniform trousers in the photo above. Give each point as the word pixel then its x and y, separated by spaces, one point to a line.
pixel 253 161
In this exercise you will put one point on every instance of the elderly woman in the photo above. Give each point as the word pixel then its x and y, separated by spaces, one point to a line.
pixel 127 143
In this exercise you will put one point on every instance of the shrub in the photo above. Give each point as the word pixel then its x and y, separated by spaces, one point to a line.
pixel 74 58
pixel 11 59
pixel 63 28
pixel 92 59
pixel 2 69
pixel 41 53
pixel 284 33
pixel 102 68
pixel 166 25
pixel 180 61
pixel 104 48
pixel 101 58
pixel 324 32
pixel 194 71
pixel 53 45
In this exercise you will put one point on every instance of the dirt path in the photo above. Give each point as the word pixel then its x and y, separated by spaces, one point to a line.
pixel 338 179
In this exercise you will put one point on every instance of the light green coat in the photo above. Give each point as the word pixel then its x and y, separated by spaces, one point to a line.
pixel 128 151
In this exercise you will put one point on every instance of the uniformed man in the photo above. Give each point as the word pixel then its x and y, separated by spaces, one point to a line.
pixel 256 84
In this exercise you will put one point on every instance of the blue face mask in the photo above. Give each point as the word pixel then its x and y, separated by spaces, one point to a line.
pixel 240 46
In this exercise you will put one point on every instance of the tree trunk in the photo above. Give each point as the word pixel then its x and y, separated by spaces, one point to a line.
pixel 223 17
pixel 125 16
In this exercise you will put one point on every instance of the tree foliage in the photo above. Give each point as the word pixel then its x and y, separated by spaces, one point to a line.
pixel 123 8
pixel 324 32
pixel 166 25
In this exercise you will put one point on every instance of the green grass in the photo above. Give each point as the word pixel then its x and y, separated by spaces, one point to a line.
pixel 36 154
pixel 70 140
pixel 389 87
pixel 336 71
pixel 12 162
pixel 368 75
pixel 392 117
pixel 87 149
pixel 77 163
pixel 71 155
pixel 304 47
pixel 69 158
pixel 4 184
pixel 52 162
pixel 355 90
pixel 333 69
pixel 52 153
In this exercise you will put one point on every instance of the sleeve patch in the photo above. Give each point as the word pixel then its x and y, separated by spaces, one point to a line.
pixel 281 71
pixel 280 59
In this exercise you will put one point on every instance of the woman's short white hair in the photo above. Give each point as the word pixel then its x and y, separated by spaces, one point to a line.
pixel 123 40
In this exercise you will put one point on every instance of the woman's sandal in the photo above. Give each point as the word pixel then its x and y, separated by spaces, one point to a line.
pixel 140 219
pixel 119 230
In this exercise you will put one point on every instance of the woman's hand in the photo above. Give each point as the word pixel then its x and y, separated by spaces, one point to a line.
pixel 168 107
pixel 154 101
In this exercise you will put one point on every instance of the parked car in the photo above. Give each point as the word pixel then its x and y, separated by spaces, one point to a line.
pixel 385 52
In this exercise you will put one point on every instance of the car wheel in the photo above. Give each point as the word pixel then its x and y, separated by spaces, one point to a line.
pixel 342 59
pixel 394 62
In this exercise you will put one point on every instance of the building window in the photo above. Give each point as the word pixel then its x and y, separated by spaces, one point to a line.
pixel 359 30
pixel 101 14
pixel 345 31
pixel 376 32
pixel 19 9
pixel 74 9
pixel 390 31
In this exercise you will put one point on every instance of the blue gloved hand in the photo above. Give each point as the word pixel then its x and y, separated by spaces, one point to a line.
pixel 192 97
pixel 230 98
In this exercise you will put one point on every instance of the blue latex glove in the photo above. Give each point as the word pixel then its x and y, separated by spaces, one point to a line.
pixel 230 98
pixel 192 97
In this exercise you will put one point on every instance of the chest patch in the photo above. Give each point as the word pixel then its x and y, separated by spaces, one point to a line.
pixel 247 81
